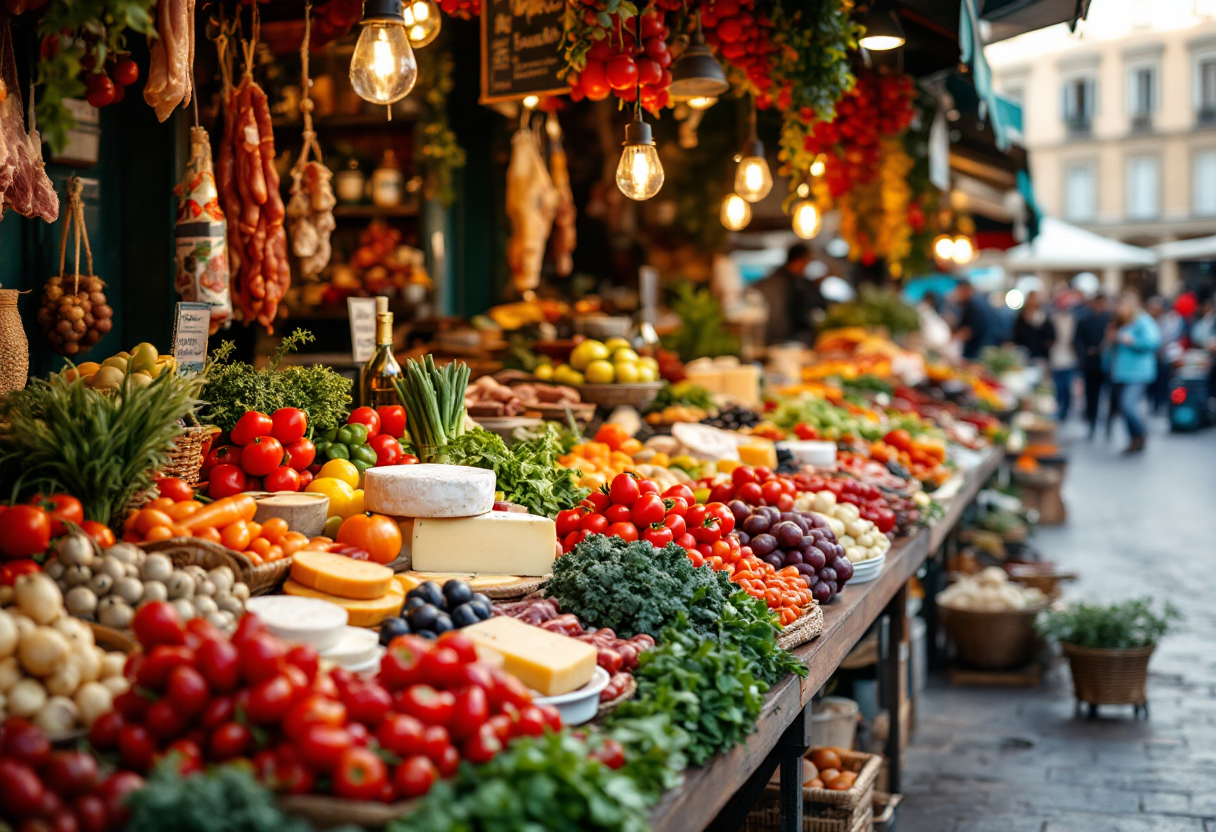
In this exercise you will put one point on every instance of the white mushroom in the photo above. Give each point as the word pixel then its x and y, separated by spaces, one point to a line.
pixel 204 606
pixel 26 698
pixel 156 567
pixel 58 716
pixel 102 584
pixel 77 576
pixel 125 552
pixel 180 585
pixel 75 549
pixel 129 590
pixel 154 591
pixel 223 578
pixel 81 601
pixel 185 609
pixel 114 567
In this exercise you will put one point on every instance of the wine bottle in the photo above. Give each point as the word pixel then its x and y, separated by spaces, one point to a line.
pixel 376 379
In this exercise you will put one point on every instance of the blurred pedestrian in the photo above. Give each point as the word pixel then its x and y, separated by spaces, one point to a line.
pixel 1062 357
pixel 1133 363
pixel 973 324
pixel 1203 337
pixel 1172 327
pixel 792 298
pixel 1090 332
pixel 1033 330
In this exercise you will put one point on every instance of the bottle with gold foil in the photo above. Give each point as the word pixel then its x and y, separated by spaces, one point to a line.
pixel 376 379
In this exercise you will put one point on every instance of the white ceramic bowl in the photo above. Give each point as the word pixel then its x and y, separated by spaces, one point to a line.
pixel 811 451
pixel 302 620
pixel 579 706
pixel 867 570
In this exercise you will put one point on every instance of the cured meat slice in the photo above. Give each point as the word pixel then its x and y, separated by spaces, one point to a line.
pixel 24 185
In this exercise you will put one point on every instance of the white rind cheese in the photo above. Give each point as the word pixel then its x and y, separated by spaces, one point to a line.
pixel 497 543
pixel 428 490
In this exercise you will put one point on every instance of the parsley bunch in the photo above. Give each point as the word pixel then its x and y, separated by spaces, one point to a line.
pixel 527 472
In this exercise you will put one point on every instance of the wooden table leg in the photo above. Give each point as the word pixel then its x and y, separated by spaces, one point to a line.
pixel 891 636
pixel 793 744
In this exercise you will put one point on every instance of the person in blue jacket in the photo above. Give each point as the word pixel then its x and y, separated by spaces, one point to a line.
pixel 1133 363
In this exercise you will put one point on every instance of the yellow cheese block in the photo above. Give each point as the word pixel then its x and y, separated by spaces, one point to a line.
pixel 759 453
pixel 341 576
pixel 361 613
pixel 549 663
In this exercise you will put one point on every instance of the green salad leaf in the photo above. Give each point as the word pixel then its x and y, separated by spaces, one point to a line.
pixel 527 472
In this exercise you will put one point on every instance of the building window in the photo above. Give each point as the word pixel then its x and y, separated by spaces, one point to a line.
pixel 1015 93
pixel 1079 105
pixel 1079 193
pixel 1142 96
pixel 1205 82
pixel 1142 188
pixel 1203 184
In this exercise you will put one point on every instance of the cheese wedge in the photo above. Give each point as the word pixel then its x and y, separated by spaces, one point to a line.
pixel 339 575
pixel 428 490
pixel 361 613
pixel 549 663
pixel 498 543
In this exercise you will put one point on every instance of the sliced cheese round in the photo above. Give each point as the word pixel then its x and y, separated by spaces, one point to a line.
pixel 362 613
pixel 354 646
pixel 302 620
pixel 339 575
pixel 429 490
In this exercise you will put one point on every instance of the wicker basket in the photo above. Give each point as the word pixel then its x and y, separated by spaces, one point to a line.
pixel 992 640
pixel 1109 677
pixel 612 704
pixel 14 349
pixel 325 812
pixel 608 396
pixel 806 627
pixel 824 810
pixel 261 579
pixel 185 461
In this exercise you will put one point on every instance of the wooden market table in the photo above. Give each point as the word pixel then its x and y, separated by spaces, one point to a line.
pixel 720 794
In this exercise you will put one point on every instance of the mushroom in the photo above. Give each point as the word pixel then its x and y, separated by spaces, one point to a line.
pixel 185 609
pixel 114 567
pixel 114 612
pixel 241 590
pixel 230 604
pixel 204 587
pixel 38 597
pixel 154 591
pixel 223 620
pixel 75 630
pixel 93 700
pixel 64 681
pixel 82 601
pixel 125 552
pixel 205 605
pixel 58 716
pixel 129 590
pixel 195 571
pixel 77 576
pixel 116 684
pixel 131 570
pixel 88 662
pixel 223 578
pixel 180 585
pixel 55 568
pixel 112 664
pixel 75 549
pixel 26 698
pixel 156 567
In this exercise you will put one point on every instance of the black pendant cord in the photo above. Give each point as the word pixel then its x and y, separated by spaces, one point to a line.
pixel 637 81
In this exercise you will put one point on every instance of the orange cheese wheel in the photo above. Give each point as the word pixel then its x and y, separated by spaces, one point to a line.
pixel 341 576
pixel 360 613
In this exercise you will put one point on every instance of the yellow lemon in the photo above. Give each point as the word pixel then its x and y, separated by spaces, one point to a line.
pixel 544 372
pixel 647 361
pixel 627 372
pixel 586 352
pixel 565 374
pixel 340 469
pixel 600 372
pixel 340 494
pixel 646 373
pixel 614 344
pixel 625 354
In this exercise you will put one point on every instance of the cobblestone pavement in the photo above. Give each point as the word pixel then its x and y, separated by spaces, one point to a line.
pixel 1000 760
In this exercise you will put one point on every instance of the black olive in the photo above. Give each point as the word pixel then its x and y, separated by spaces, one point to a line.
pixel 390 628
pixel 482 606
pixel 414 603
pixel 457 593
pixel 443 623
pixel 424 617
pixel 464 615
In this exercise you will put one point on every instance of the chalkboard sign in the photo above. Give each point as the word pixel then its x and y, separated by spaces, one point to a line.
pixel 521 49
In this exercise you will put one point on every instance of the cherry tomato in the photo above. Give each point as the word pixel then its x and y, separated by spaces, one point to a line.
pixel 618 514
pixel 725 517
pixel 368 418
pixel 226 480
pixel 461 644
pixel 322 746
pixel 682 491
pixel 14 569
pixel 471 710
pixel 567 521
pixel 63 508
pixel 288 424
pixel 100 90
pixel 113 793
pixel 102 535
pixel 722 493
pixel 625 531
pixel 262 455
pixel 431 706
pixel 594 81
pixel 530 722
pixel 482 746
pixel 401 734
pixel 649 71
pixel 136 747
pixel 648 510
pixel 90 813
pixel 359 775
pixel 251 426
pixel 401 665
pixel 591 524
pixel 366 702
pixel 306 478
pixel 261 657
pixel 442 667
pixel 223 455
pixel 677 524
pixel 392 420
pixel 219 664
pixel 25 531
pixel 387 448
pixel 175 489
pixel 414 777
pixel 282 479
pixel 597 501
pixel 771 491
pixel 621 72
pixel 187 690
pixel 157 623
pixel 163 721
pixel 660 537
pixel 624 489
pixel 269 699
pixel 103 733
pixel 304 657
pixel 300 454
pixel 126 72
pixel 230 740
pixel 570 541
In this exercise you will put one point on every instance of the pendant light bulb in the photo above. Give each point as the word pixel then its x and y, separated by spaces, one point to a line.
pixel 753 179
pixel 883 29
pixel 422 21
pixel 807 221
pixel 943 247
pixel 639 174
pixel 963 251
pixel 383 68
pixel 702 102
pixel 736 212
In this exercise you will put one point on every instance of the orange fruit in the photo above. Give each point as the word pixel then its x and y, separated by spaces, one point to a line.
pixel 825 758
pixel 828 776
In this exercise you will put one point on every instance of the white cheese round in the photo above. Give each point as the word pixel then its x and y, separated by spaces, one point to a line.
pixel 429 491
pixel 355 646
pixel 302 620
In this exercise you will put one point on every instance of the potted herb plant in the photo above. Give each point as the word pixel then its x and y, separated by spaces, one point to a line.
pixel 1108 648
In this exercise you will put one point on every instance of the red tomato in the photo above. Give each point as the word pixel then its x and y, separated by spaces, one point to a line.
pixel 102 535
pixel 187 690
pixel 621 72
pixel 103 734
pixel 306 478
pixel 387 448
pixel 63 508
pixel 530 722
pixel 482 746
pixel 401 665
pixel 611 754
pixel 113 793
pixel 366 702
pixel 300 454
pixel 618 514
pixel 414 777
pixel 723 493
pixel 401 734
pixel 153 674
pixel 594 81
pixel 625 531
pixel 567 521
pixel 229 740
pixel 441 667
pixel 435 742
pixel 553 717
pixel 771 492
pixel 261 456
pixel 25 531
pixel 431 706
pixel 725 518
pixel 742 475
pixel 313 710
pixel 14 569
pixel 305 658
pixel 23 742
pixel 126 72
pixel 157 623
pixel 136 747
pixel 392 420
pixel 282 479
pixel 269 699
pixel 223 455
pixel 368 418
pixel 163 721
pixel 90 813
pixel 594 524
pixel 288 424
pixel 681 491
pixel 322 746
pixel 175 489
pixel 573 539
pixel 624 489
pixel 649 71
pixel 596 501
pixel 261 656
pixel 658 538
pixel 190 756
pixel 749 492
pixel 100 90
pixel 648 510
pixel 676 523
pixel 251 426
pixel 219 663
pixel 225 481
pixel 461 644
pixel 785 502
pixel 471 711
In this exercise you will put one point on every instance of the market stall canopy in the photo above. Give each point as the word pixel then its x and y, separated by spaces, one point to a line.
pixel 1065 247
pixel 1200 248
pixel 1009 18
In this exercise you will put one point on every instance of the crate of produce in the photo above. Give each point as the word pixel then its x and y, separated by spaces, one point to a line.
pixel 261 578
pixel 823 809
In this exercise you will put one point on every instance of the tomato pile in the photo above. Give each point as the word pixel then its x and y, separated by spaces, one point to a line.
pixel 754 486
pixel 922 459
pixel 27 531
pixel 743 36
pixel 268 453
pixel 464 9
pixel 57 791
pixel 616 62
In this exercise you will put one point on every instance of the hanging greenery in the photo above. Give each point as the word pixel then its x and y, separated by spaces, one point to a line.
pixel 438 154
pixel 812 69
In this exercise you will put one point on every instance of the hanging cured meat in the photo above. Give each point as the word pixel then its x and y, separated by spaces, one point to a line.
pixel 249 195
pixel 24 185
pixel 531 205
pixel 171 68
pixel 201 239
pixel 562 241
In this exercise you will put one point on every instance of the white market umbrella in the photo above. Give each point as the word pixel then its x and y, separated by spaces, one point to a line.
pixel 1061 246
pixel 1200 248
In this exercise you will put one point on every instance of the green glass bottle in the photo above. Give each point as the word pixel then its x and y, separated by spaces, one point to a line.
pixel 377 379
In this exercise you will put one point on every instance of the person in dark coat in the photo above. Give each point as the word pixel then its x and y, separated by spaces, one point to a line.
pixel 973 320
pixel 1088 337
pixel 1033 330
pixel 792 298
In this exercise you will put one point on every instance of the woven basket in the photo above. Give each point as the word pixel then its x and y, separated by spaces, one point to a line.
pixel 261 579
pixel 325 812
pixel 1109 677
pixel 110 640
pixel 807 626
pixel 609 396
pixel 992 640
pixel 824 810
pixel 14 349
pixel 185 462
pixel 612 704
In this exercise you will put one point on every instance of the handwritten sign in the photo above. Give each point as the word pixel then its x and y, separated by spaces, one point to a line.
pixel 362 328
pixel 190 332
pixel 521 49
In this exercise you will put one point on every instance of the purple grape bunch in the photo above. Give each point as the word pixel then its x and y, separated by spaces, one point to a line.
pixel 798 539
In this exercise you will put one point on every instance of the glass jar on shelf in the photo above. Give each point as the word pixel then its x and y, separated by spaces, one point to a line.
pixel 388 183
pixel 349 183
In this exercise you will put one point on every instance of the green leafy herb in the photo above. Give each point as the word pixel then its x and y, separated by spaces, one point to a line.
pixel 702 331
pixel 236 387
pixel 654 751
pixel 434 405
pixel 63 436
pixel 706 687
pixel 536 784
pixel 873 308
pixel 527 472
pixel 1120 626
pixel 682 393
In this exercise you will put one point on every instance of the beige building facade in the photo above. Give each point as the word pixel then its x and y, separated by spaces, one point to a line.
pixel 1119 119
